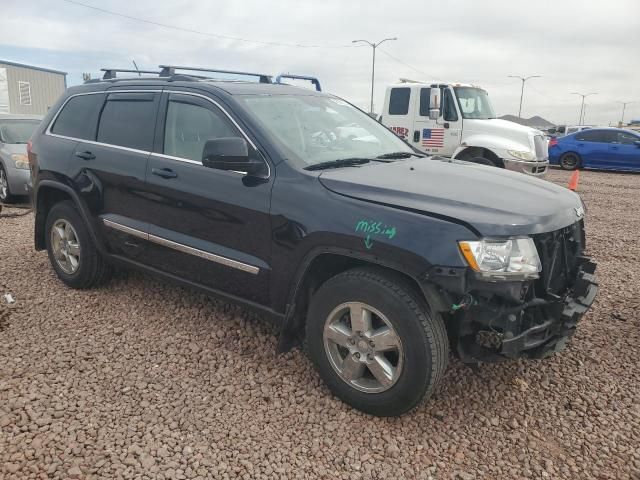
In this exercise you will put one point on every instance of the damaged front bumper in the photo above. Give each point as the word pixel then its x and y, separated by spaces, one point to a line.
pixel 551 336
pixel 515 319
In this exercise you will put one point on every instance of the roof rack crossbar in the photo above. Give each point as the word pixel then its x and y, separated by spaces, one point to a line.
pixel 169 70
pixel 110 73
pixel 313 80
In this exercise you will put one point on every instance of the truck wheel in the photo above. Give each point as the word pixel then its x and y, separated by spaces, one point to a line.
pixel 569 161
pixel 71 250
pixel 374 341
pixel 482 161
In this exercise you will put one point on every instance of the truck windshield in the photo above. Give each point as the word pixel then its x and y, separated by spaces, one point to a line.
pixel 17 131
pixel 474 103
pixel 312 129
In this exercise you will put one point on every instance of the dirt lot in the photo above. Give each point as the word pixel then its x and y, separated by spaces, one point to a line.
pixel 141 379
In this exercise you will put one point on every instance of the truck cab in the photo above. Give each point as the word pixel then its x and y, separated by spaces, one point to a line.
pixel 458 121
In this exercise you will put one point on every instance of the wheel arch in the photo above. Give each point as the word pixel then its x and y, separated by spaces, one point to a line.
pixel 315 270
pixel 48 194
pixel 472 151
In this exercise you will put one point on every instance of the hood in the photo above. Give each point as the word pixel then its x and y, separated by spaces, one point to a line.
pixel 15 147
pixel 489 200
pixel 498 126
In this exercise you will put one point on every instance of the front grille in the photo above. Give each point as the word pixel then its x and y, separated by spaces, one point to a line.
pixel 561 256
pixel 542 149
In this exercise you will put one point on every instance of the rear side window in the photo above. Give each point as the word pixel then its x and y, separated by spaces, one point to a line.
pixel 189 126
pixel 598 136
pixel 79 117
pixel 399 101
pixel 128 120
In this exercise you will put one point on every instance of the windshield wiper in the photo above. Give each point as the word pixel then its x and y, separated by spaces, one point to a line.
pixel 394 155
pixel 342 162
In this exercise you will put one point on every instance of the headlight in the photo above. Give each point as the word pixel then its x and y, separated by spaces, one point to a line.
pixel 502 258
pixel 528 156
pixel 21 161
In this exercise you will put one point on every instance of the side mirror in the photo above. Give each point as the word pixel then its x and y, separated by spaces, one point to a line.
pixel 434 102
pixel 231 153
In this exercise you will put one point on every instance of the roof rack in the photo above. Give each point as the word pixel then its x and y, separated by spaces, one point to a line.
pixel 313 80
pixel 110 73
pixel 169 70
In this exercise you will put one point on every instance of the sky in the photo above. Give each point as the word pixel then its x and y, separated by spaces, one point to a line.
pixel 575 46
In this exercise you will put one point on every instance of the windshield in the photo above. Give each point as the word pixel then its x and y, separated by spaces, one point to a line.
pixel 315 129
pixel 474 103
pixel 17 131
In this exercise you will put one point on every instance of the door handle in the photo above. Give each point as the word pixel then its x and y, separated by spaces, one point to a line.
pixel 416 135
pixel 85 155
pixel 613 147
pixel 164 172
pixel 446 125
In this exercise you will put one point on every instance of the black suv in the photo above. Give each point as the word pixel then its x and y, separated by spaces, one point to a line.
pixel 294 202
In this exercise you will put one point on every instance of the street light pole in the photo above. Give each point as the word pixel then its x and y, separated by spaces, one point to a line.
pixel 624 106
pixel 373 45
pixel 523 79
pixel 583 95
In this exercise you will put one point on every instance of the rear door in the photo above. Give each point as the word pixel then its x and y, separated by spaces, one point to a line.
pixel 399 111
pixel 593 147
pixel 208 226
pixel 624 153
pixel 441 136
pixel 118 162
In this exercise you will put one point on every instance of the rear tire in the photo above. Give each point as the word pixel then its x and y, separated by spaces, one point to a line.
pixel 72 253
pixel 570 161
pixel 405 344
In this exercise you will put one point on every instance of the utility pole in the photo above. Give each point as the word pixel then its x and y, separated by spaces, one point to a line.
pixel 624 106
pixel 373 45
pixel 523 79
pixel 583 95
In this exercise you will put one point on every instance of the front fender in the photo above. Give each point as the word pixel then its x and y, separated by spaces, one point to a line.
pixel 496 144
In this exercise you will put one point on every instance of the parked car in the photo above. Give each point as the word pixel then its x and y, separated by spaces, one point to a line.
pixel 376 258
pixel 15 131
pixel 600 148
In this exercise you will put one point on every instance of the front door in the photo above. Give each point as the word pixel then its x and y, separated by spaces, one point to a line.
pixel 593 147
pixel 208 226
pixel 441 136
pixel 624 153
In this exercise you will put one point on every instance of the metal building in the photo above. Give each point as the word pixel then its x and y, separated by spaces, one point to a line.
pixel 29 89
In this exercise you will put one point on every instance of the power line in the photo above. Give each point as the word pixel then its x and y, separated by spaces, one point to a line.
pixel 199 32
pixel 402 62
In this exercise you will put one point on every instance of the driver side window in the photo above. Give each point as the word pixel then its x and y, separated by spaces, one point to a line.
pixel 449 112
pixel 189 126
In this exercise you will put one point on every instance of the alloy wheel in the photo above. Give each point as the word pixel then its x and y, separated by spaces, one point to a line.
pixel 65 246
pixel 4 185
pixel 363 347
pixel 569 161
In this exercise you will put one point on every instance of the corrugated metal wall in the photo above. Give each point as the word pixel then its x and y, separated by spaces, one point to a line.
pixel 45 88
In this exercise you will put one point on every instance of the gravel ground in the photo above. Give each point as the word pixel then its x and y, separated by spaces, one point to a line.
pixel 142 379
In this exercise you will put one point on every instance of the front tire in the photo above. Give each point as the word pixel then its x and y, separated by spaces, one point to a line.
pixel 71 250
pixel 569 161
pixel 374 341
pixel 482 161
pixel 5 192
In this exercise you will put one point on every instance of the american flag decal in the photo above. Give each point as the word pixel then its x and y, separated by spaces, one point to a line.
pixel 433 137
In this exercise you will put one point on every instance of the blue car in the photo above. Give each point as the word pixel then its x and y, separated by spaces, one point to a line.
pixel 600 148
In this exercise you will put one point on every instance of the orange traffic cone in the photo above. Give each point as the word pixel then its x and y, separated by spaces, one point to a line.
pixel 573 181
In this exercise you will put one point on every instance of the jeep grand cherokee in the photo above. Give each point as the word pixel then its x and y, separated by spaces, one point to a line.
pixel 377 259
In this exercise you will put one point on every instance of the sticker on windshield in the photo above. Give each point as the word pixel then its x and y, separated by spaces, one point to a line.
pixel 374 228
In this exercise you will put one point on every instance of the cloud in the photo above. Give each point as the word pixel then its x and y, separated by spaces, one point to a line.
pixel 574 45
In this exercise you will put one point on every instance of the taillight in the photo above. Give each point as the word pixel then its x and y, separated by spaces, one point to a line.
pixel 553 142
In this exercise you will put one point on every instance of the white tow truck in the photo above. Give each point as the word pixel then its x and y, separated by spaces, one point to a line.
pixel 457 121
